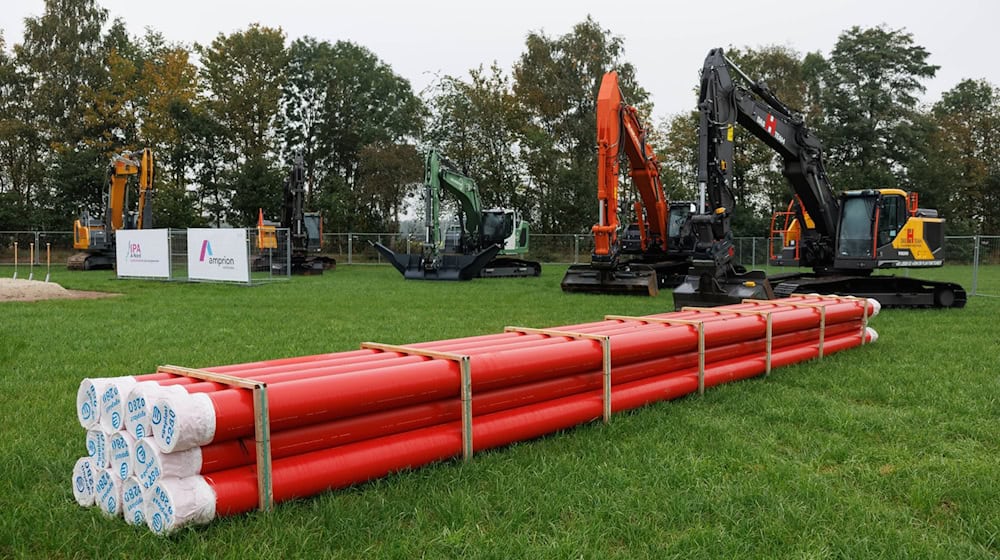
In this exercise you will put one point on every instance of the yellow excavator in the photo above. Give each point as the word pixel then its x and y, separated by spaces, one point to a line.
pixel 95 237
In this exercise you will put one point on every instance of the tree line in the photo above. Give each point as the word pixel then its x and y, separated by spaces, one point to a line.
pixel 225 119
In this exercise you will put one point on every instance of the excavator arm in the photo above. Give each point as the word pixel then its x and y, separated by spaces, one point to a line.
pixel 144 219
pixel 122 167
pixel 441 175
pixel 722 105
pixel 650 261
pixel 620 131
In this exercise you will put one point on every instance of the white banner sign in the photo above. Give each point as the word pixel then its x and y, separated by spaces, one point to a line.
pixel 218 254
pixel 143 253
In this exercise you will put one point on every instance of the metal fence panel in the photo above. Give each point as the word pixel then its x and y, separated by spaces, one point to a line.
pixel 270 260
pixel 986 266
pixel 37 246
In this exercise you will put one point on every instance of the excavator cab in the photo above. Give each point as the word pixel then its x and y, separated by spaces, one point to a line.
pixel 681 237
pixel 884 228
pixel 313 224
pixel 498 225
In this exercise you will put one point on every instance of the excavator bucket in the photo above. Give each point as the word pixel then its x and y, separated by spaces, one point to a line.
pixel 448 266
pixel 706 290
pixel 637 280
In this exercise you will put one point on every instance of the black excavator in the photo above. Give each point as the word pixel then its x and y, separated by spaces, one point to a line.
pixel 305 230
pixel 844 239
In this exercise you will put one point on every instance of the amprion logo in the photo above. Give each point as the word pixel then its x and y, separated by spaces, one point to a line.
pixel 206 247
pixel 206 250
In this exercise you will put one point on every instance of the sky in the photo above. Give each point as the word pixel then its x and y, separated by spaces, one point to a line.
pixel 665 40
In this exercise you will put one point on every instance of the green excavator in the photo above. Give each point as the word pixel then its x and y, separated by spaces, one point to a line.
pixel 484 244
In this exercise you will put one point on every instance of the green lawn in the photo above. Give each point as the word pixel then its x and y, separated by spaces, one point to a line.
pixel 890 450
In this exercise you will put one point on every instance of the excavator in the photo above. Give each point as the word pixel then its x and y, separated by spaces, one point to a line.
pixel 484 244
pixel 641 259
pixel 96 237
pixel 844 239
pixel 305 230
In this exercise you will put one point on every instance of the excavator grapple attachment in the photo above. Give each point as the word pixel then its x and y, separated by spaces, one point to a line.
pixel 446 266
pixel 637 280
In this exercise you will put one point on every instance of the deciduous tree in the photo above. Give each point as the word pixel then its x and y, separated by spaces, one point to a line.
pixel 556 80
pixel 869 92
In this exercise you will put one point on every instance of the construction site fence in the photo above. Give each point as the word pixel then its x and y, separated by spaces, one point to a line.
pixel 972 260
pixel 41 247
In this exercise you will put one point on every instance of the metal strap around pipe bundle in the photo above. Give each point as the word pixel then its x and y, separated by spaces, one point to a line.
pixel 699 327
pixel 261 422
pixel 768 330
pixel 465 392
pixel 605 342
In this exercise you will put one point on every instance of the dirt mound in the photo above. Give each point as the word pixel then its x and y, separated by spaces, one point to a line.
pixel 33 290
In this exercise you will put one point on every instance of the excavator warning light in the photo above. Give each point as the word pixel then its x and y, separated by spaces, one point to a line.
pixel 750 284
pixel 720 210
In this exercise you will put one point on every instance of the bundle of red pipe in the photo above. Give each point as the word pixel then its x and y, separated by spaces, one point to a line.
pixel 344 418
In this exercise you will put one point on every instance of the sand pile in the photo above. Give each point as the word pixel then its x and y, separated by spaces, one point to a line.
pixel 34 290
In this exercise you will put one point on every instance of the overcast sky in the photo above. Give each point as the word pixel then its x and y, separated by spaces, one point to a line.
pixel 666 41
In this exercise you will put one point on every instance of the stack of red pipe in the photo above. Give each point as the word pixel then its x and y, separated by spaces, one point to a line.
pixel 340 419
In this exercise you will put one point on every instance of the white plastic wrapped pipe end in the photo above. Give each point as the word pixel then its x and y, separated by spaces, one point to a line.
pixel 872 334
pixel 97 448
pixel 84 480
pixel 112 403
pixel 139 406
pixel 174 503
pixel 182 422
pixel 875 306
pixel 88 395
pixel 108 493
pixel 121 448
pixel 132 502
pixel 150 464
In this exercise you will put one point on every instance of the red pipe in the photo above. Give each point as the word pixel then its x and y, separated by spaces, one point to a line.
pixel 542 418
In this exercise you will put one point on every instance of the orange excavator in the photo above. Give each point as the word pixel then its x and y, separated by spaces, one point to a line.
pixel 637 260
pixel 95 237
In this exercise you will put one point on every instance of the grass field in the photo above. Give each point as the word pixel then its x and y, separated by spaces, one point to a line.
pixel 886 451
